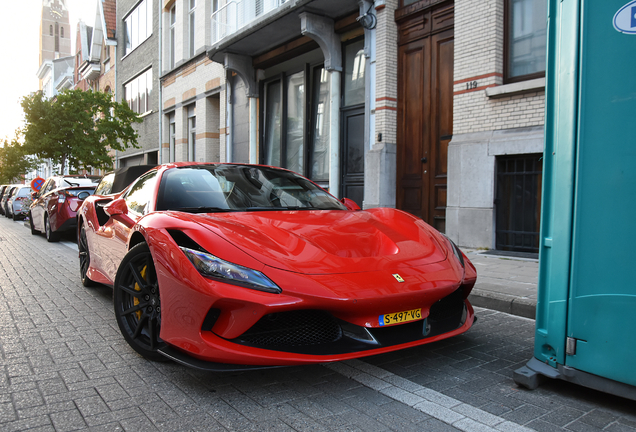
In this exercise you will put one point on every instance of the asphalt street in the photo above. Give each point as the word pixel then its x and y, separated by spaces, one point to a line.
pixel 66 367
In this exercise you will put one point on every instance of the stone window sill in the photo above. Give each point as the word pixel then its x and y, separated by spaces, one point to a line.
pixel 522 87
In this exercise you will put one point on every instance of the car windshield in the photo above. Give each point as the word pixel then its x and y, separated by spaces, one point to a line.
pixel 79 181
pixel 222 188
pixel 105 185
pixel 26 191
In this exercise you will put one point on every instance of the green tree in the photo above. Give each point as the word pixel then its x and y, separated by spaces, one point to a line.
pixel 78 128
pixel 14 162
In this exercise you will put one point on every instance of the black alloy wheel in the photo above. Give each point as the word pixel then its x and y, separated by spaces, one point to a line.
pixel 33 230
pixel 84 258
pixel 50 235
pixel 137 303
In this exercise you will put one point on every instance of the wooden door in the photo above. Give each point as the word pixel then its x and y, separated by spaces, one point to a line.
pixel 425 122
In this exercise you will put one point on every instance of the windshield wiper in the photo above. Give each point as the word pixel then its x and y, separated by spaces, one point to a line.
pixel 72 184
pixel 202 209
pixel 277 208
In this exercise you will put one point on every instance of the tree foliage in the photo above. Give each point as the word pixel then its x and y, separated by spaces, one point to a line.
pixel 78 128
pixel 14 162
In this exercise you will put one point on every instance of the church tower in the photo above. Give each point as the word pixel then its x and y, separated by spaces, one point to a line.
pixel 55 31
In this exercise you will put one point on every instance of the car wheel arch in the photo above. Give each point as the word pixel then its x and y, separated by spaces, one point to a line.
pixel 135 239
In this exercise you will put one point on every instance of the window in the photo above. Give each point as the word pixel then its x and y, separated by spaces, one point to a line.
pixel 138 92
pixel 172 132
pixel 138 25
pixel 106 185
pixel 173 35
pixel 140 194
pixel 525 39
pixel 295 121
pixel 355 62
pixel 51 30
pixel 192 132
pixel 215 22
pixel 192 25
pixel 57 37
pixel 321 126
pixel 290 110
pixel 62 32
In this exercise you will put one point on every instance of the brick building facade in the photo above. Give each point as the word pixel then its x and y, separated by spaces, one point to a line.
pixel 496 124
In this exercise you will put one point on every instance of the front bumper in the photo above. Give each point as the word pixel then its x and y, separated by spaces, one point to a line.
pixel 210 322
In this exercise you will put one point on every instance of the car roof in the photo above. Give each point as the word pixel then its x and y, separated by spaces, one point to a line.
pixel 126 175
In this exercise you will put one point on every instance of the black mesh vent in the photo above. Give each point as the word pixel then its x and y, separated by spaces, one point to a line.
pixel 292 329
pixel 448 306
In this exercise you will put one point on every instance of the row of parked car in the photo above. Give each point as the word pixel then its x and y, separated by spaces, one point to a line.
pixel 15 200
pixel 53 209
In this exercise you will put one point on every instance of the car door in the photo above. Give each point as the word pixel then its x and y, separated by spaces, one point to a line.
pixel 39 204
pixel 112 237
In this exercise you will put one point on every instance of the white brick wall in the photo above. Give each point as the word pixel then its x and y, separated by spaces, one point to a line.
pixel 386 73
pixel 479 53
pixel 484 127
pixel 201 77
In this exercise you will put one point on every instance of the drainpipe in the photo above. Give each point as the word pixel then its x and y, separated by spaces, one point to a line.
pixel 160 161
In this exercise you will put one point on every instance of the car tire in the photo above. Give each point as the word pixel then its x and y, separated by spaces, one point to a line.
pixel 15 217
pixel 33 230
pixel 137 304
pixel 84 258
pixel 51 236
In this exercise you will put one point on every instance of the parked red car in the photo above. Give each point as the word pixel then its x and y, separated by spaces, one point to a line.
pixel 54 208
pixel 231 266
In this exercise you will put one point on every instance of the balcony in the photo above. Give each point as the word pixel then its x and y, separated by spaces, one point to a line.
pixel 236 14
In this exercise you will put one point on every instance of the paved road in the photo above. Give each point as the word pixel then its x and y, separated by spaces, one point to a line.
pixel 65 367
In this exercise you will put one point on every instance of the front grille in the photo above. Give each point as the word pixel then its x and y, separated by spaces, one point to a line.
pixel 450 305
pixel 292 329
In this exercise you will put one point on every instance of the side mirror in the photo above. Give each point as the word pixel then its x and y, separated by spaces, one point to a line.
pixel 116 208
pixel 350 204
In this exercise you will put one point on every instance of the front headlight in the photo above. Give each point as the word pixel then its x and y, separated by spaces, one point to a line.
pixel 456 251
pixel 216 268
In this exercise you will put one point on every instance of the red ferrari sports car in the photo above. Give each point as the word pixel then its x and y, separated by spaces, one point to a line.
pixel 230 266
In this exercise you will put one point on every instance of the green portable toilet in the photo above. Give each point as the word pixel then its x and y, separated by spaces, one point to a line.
pixel 586 311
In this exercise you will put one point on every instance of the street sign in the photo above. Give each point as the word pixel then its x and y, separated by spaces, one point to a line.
pixel 36 183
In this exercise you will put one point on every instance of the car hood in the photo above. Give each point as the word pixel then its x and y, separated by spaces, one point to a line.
pixel 328 242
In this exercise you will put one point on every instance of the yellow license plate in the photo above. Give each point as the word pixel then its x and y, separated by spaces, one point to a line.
pixel 400 317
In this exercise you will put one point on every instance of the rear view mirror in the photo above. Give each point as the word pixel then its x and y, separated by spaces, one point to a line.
pixel 350 204
pixel 117 207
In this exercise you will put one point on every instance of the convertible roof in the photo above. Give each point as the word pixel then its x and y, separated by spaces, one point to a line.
pixel 125 176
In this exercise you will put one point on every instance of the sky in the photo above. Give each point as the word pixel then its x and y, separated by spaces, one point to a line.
pixel 20 54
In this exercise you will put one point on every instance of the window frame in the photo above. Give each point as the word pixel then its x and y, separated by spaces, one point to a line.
pixel 282 79
pixel 172 38
pixel 311 72
pixel 191 116
pixel 135 104
pixel 150 176
pixel 132 38
pixel 507 47
pixel 192 6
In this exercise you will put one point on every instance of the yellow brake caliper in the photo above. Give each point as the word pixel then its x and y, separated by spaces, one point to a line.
pixel 138 288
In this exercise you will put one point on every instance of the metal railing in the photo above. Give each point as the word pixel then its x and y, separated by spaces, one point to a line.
pixel 236 14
